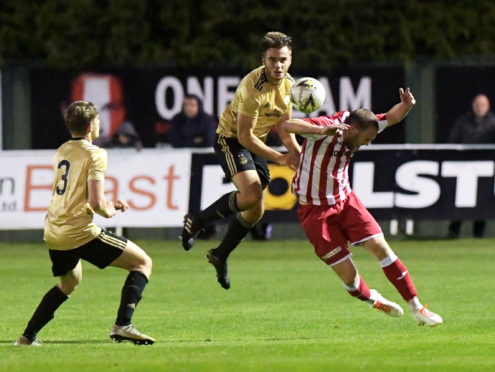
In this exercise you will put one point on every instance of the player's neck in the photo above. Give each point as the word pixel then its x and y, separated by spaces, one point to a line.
pixel 87 137
pixel 275 82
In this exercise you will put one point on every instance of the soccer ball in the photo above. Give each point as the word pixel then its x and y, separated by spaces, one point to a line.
pixel 307 95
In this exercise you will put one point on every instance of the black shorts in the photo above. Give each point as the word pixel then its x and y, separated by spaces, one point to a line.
pixel 235 158
pixel 101 252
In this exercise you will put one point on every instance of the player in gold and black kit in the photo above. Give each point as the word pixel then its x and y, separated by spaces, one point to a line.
pixel 71 235
pixel 261 102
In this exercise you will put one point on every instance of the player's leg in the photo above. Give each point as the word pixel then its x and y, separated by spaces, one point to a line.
pixel 67 267
pixel 248 183
pixel 234 159
pixel 398 274
pixel 109 249
pixel 139 265
pixel 322 226
pixel 361 228
pixel 356 287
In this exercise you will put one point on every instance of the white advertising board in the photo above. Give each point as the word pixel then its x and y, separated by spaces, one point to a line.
pixel 155 183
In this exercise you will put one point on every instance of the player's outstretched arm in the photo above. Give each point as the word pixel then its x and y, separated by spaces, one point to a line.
pixel 397 113
pixel 288 139
pixel 97 201
pixel 299 126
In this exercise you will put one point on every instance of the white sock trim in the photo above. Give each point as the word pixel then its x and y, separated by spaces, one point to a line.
pixel 389 260
pixel 357 282
pixel 414 304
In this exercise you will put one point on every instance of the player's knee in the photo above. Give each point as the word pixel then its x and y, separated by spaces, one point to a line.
pixel 378 247
pixel 252 196
pixel 257 215
pixel 144 264
pixel 253 214
pixel 67 286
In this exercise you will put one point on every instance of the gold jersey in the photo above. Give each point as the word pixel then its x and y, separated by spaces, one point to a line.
pixel 257 98
pixel 69 221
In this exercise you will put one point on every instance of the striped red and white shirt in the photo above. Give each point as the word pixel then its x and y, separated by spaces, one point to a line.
pixel 322 177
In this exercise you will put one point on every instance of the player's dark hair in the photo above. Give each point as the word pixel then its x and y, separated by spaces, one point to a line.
pixel 78 115
pixel 275 39
pixel 362 119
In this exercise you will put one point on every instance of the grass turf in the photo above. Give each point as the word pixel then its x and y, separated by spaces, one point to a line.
pixel 286 311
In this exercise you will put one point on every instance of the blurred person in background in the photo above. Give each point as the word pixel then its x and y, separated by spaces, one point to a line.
pixel 192 127
pixel 125 137
pixel 477 126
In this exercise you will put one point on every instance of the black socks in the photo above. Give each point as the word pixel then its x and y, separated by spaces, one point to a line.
pixel 45 312
pixel 131 295
pixel 221 208
pixel 236 232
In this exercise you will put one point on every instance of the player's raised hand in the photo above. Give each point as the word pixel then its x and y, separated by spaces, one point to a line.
pixel 121 205
pixel 407 97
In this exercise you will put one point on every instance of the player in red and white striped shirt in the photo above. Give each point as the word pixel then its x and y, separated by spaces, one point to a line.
pixel 331 214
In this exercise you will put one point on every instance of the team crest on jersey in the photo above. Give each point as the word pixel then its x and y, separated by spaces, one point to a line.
pixel 242 159
pixel 276 113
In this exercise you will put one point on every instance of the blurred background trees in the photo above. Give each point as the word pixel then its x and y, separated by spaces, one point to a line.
pixel 204 33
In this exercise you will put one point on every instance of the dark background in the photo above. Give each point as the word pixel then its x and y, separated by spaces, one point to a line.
pixel 50 90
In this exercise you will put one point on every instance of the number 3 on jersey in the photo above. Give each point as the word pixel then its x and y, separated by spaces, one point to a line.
pixel 63 164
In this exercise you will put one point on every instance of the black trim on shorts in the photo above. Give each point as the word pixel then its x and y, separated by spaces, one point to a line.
pixel 101 252
pixel 235 158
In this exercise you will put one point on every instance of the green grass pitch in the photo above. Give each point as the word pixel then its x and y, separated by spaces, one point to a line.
pixel 285 311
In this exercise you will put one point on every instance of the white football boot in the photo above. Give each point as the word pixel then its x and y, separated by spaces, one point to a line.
pixel 388 307
pixel 427 317
pixel 130 333
pixel 24 341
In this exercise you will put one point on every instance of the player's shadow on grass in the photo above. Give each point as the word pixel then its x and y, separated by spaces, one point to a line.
pixel 243 340
pixel 62 342
pixel 65 342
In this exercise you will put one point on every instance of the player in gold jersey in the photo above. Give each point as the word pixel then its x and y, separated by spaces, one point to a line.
pixel 261 101
pixel 71 235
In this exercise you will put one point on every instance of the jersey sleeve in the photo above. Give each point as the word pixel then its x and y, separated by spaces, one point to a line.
pixel 97 165
pixel 248 102
pixel 324 121
pixel 320 122
pixel 382 122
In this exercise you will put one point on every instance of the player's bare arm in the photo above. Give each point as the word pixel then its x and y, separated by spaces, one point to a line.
pixel 299 126
pixel 290 142
pixel 97 201
pixel 246 137
pixel 288 138
pixel 397 113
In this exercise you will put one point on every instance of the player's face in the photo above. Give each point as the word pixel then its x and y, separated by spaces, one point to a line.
pixel 355 138
pixel 95 132
pixel 277 62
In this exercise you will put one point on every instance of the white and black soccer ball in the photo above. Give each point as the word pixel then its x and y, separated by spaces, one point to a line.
pixel 307 95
